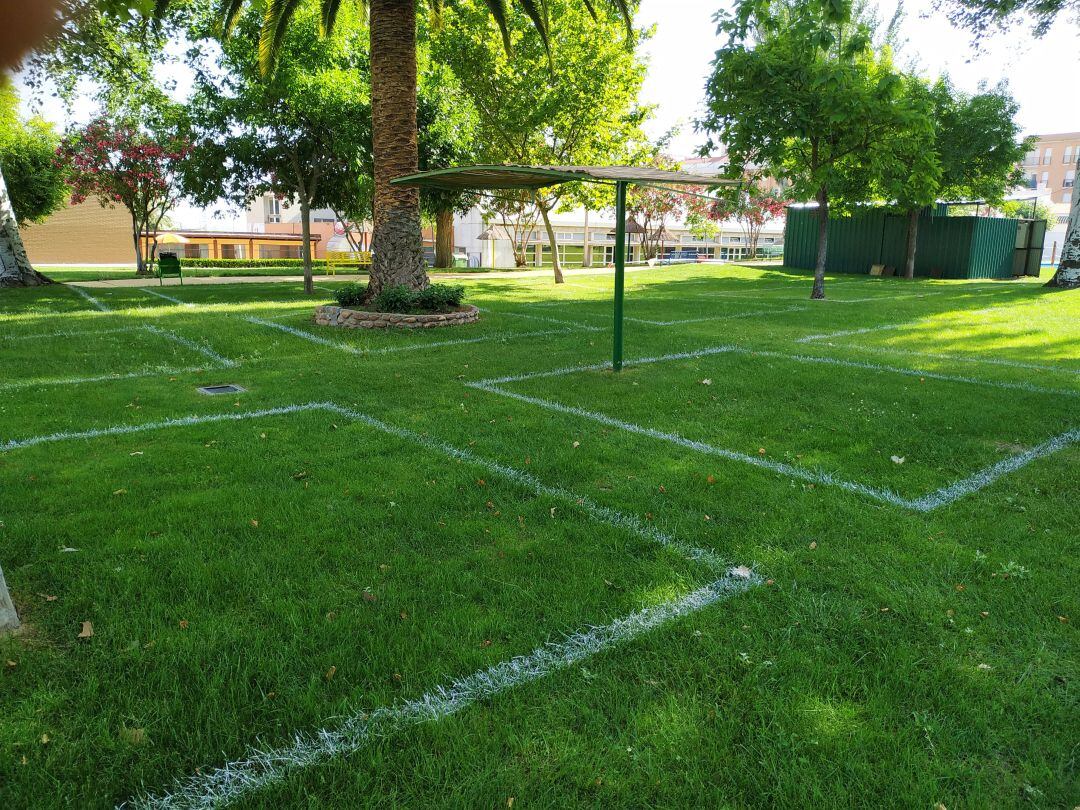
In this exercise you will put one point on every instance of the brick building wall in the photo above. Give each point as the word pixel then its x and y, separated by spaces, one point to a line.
pixel 81 234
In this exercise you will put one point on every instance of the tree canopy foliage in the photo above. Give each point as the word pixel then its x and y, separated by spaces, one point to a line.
pixel 34 176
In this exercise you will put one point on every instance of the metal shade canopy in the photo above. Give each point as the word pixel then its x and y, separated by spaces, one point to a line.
pixel 537 177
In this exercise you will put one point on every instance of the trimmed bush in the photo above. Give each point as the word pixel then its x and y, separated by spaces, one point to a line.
pixel 440 296
pixel 228 263
pixel 398 298
pixel 350 295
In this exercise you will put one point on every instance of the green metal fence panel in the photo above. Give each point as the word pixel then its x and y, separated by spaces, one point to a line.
pixel 947 247
pixel 993 248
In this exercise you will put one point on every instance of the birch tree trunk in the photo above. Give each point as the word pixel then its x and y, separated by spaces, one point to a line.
pixel 9 619
pixel 15 269
pixel 1068 271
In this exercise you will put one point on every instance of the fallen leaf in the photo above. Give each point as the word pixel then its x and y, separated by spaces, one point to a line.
pixel 770 582
pixel 662 488
pixel 761 451
pixel 87 630
pixel 706 382
pixel 741 571
pixel 480 482
pixel 898 459
pixel 48 598
pixel 984 667
pixel 11 664
pixel 486 642
pixel 577 444
pixel 984 613
pixel 330 673
pixel 120 492
pixel 183 624
pixel 1063 619
pixel 710 479
pixel 331 616
pixel 813 545
pixel 45 739
pixel 397 677
pixel 960 587
pixel 368 596
pixel 403 615
pixel 255 523
pixel 133 736
pixel 883 610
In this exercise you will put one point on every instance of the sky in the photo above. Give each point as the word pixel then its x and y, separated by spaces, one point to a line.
pixel 1041 72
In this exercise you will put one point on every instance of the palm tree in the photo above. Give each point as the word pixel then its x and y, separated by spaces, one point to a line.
pixel 397 241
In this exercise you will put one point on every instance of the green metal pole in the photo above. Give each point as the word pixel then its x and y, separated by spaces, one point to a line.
pixel 620 272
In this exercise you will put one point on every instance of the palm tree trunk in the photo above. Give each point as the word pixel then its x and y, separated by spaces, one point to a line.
pixel 15 269
pixel 1068 271
pixel 398 256
pixel 444 238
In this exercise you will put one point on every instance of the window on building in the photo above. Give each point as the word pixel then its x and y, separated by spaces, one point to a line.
pixel 324 220
pixel 273 209
pixel 1068 156
pixel 1070 178
pixel 570 236
pixel 1044 179
pixel 189 251
pixel 1032 181
pixel 1048 156
pixel 279 251
pixel 234 251
pixel 1032 158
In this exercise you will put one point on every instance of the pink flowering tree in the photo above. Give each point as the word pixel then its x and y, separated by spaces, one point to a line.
pixel 752 207
pixel 121 165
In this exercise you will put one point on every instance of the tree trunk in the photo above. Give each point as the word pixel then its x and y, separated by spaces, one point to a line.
pixel 444 238
pixel 15 269
pixel 398 255
pixel 912 241
pixel 305 246
pixel 1068 271
pixel 9 619
pixel 555 263
pixel 136 237
pixel 823 229
pixel 586 255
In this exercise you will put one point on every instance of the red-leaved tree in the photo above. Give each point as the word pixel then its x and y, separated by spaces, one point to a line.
pixel 119 164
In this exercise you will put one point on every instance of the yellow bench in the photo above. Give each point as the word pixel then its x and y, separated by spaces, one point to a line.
pixel 346 258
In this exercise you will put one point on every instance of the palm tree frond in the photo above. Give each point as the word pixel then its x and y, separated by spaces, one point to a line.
pixel 229 13
pixel 536 10
pixel 330 9
pixel 497 8
pixel 278 15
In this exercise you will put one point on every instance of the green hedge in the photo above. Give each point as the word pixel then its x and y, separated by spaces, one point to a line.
pixel 227 263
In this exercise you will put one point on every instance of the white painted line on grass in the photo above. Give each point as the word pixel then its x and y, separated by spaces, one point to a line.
pixel 732 316
pixel 572 324
pixel 600 513
pixel 262 767
pixel 992 361
pixel 73 333
pixel 201 348
pixel 392 349
pixel 93 301
pixel 938 498
pixel 15 385
pixel 149 291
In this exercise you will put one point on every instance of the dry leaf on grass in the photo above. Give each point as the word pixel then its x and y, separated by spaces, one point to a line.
pixel 330 673
pixel 368 596
pixel 87 630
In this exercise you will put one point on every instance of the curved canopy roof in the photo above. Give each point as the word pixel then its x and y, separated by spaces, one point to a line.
pixel 533 177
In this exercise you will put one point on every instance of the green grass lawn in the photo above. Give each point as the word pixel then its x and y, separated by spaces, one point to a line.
pixel 796 553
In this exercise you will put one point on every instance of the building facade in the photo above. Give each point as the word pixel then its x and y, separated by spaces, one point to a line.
pixel 1050 167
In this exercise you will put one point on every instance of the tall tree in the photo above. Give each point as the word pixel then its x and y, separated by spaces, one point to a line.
pixel 968 146
pixel 296 133
pixel 569 99
pixel 31 184
pixel 798 90
pixel 398 257
pixel 1067 274
pixel 120 164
